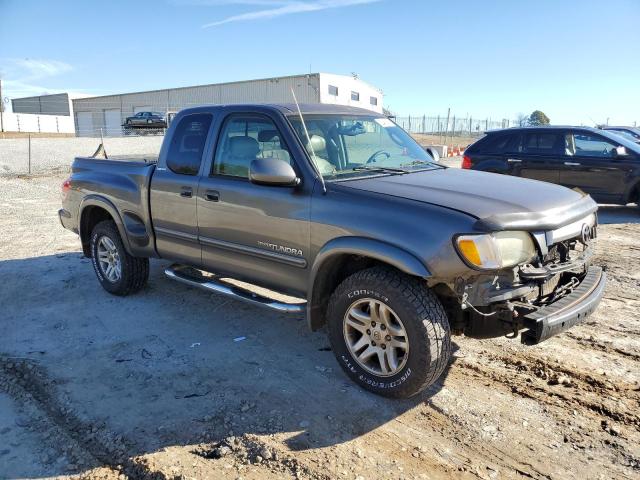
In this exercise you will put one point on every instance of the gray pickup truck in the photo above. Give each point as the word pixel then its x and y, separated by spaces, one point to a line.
pixel 341 208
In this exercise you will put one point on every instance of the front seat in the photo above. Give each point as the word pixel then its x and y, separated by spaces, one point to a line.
pixel 314 146
pixel 239 154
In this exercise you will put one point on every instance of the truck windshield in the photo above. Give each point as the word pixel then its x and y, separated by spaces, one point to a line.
pixel 345 145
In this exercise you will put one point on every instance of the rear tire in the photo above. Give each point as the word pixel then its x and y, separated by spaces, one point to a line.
pixel 416 353
pixel 118 272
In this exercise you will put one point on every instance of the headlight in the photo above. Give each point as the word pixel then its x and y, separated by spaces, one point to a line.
pixel 496 250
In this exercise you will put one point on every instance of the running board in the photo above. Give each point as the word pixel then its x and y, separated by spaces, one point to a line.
pixel 181 274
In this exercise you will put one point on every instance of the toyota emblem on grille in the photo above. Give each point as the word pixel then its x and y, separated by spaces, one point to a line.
pixel 586 235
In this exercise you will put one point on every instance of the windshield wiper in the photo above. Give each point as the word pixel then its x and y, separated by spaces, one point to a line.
pixel 380 169
pixel 435 165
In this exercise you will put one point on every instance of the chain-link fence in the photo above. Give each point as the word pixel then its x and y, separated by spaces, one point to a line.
pixel 450 126
pixel 35 155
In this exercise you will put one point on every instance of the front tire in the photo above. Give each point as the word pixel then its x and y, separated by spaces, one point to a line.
pixel 389 332
pixel 118 272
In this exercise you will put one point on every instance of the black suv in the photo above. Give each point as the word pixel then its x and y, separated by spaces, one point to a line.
pixel 598 162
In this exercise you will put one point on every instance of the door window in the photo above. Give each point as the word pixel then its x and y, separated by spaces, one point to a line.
pixel 187 144
pixel 245 139
pixel 586 145
pixel 542 143
pixel 503 144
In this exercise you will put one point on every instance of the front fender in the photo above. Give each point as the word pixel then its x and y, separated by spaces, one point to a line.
pixel 366 247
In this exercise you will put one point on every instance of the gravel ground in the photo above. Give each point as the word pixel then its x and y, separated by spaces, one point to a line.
pixel 50 155
pixel 155 386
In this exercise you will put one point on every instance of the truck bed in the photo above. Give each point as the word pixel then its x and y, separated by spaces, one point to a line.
pixel 124 183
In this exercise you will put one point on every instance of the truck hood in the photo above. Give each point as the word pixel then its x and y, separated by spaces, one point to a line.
pixel 499 202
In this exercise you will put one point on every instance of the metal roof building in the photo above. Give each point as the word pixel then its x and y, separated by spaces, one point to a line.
pixel 106 114
pixel 56 104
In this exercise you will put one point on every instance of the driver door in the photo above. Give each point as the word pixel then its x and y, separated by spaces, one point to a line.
pixel 259 233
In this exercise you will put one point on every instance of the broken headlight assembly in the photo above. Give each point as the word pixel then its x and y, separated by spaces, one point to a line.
pixel 493 251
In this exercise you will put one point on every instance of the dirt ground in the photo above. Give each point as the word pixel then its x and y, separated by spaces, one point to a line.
pixel 176 383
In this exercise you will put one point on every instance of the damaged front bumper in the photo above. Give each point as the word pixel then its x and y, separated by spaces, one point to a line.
pixel 566 312
pixel 544 302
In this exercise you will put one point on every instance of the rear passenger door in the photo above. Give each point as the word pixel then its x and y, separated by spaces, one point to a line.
pixel 542 155
pixel 174 188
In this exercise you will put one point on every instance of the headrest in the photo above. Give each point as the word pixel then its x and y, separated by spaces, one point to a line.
pixel 317 142
pixel 243 146
pixel 267 135
pixel 192 142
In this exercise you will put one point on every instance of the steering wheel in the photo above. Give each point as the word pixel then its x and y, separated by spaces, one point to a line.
pixel 373 157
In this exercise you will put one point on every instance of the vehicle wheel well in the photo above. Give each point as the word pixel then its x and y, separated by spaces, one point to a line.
pixel 91 216
pixel 329 276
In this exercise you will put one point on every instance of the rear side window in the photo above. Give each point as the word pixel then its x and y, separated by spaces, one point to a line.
pixel 187 144
pixel 497 144
pixel 541 143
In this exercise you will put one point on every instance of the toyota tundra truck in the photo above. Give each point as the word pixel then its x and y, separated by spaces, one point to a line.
pixel 340 208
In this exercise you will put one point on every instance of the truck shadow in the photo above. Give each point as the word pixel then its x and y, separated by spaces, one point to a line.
pixel 614 214
pixel 168 366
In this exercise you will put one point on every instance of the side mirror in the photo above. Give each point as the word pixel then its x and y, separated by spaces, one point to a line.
pixel 272 171
pixel 619 152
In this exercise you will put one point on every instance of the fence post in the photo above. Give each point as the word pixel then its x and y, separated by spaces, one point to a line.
pixel 38 119
pixel 57 126
pixel 446 127
pixel 439 130
pixel 29 154
pixel 453 128
pixel 470 122
pixel 424 124
pixel 486 125
pixel 18 121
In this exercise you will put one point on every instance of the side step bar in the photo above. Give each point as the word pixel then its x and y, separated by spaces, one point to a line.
pixel 182 275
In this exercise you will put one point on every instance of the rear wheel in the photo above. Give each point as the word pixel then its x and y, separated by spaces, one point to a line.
pixel 118 272
pixel 389 332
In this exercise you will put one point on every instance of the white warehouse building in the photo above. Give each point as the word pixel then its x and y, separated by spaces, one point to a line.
pixel 106 114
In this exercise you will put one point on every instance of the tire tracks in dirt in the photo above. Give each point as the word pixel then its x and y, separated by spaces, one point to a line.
pixel 91 445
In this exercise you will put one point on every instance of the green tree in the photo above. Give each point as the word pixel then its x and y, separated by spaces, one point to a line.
pixel 538 118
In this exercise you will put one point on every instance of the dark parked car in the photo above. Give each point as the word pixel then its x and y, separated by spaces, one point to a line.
pixel 146 120
pixel 598 162
pixel 392 251
pixel 631 133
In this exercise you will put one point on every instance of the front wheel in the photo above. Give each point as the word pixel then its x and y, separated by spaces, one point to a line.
pixel 118 272
pixel 389 332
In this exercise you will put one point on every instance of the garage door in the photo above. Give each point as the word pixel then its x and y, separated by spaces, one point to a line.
pixel 85 124
pixel 112 122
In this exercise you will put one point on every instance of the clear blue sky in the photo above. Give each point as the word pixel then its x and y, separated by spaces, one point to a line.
pixel 575 60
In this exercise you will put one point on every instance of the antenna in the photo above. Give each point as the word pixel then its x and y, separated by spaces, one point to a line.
pixel 306 132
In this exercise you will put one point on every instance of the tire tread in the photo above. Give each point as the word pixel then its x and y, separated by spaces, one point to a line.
pixel 425 304
pixel 135 270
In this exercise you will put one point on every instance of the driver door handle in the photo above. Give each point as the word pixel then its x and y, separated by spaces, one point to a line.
pixel 186 192
pixel 572 164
